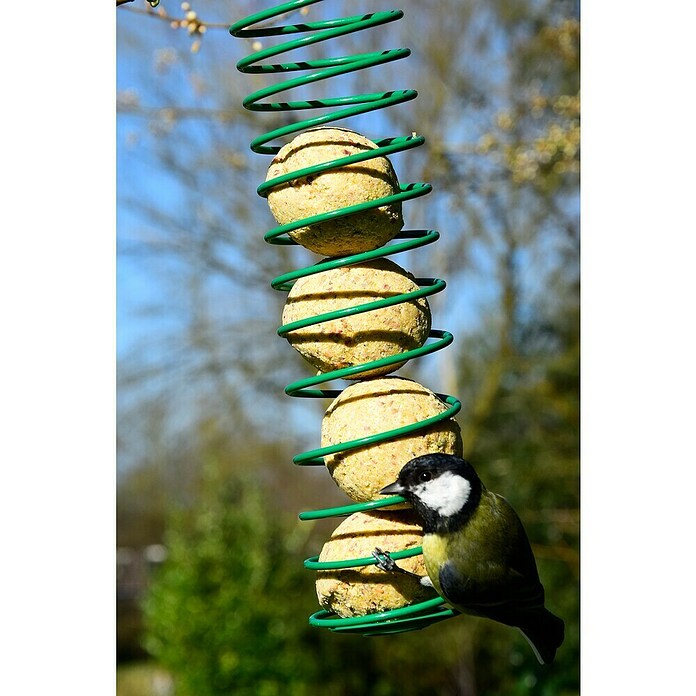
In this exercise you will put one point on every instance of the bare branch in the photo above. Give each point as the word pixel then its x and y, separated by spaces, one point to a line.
pixel 162 14
pixel 176 112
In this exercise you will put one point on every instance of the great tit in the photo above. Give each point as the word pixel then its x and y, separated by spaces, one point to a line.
pixel 476 551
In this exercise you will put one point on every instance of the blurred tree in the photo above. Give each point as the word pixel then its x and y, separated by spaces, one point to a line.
pixel 523 434
pixel 218 614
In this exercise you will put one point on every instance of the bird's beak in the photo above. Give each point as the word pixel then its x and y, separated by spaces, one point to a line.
pixel 393 489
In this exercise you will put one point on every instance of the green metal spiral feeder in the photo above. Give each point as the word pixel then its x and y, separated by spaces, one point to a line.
pixel 419 614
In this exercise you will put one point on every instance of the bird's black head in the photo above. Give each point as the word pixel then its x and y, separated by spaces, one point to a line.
pixel 443 489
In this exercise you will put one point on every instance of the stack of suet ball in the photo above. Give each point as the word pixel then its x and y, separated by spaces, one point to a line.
pixel 373 403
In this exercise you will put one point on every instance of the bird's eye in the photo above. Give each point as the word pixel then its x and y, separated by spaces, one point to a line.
pixel 425 476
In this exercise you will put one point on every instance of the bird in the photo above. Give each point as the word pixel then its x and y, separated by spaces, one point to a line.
pixel 477 554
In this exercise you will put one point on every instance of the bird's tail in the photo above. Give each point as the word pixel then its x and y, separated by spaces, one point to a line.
pixel 544 632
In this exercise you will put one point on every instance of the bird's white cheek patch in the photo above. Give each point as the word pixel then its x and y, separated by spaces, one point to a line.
pixel 446 494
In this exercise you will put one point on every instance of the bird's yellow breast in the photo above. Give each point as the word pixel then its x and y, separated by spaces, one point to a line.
pixel 479 550
pixel 434 554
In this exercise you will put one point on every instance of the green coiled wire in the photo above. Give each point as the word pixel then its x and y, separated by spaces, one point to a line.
pixel 421 614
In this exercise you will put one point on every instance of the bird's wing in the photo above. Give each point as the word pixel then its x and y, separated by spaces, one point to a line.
pixel 523 576
pixel 514 589
pixel 512 580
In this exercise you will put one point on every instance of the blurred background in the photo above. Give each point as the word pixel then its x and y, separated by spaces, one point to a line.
pixel 212 597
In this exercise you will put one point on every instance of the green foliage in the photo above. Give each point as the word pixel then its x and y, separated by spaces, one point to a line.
pixel 217 614
pixel 526 447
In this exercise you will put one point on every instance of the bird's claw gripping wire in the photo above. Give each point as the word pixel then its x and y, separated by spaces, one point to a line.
pixel 386 563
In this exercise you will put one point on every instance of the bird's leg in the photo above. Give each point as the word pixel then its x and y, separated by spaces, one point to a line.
pixel 386 563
